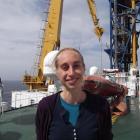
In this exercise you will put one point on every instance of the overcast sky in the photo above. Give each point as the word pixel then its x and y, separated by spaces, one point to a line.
pixel 20 34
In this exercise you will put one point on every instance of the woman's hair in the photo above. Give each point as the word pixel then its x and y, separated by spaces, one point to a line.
pixel 68 49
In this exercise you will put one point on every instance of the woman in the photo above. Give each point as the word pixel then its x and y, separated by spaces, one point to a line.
pixel 72 114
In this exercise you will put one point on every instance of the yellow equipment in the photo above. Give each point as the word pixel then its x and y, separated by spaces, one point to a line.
pixel 51 40
pixel 98 30
pixel 114 118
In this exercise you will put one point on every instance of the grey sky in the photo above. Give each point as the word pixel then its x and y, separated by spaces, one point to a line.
pixel 20 33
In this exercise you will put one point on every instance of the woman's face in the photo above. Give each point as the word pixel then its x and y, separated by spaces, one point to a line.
pixel 70 69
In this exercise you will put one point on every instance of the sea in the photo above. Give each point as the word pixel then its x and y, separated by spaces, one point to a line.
pixel 9 86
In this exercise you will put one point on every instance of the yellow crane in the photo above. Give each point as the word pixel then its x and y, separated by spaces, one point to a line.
pixel 51 40
pixel 98 29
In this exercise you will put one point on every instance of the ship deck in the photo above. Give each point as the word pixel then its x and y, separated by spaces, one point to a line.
pixel 127 127
pixel 19 124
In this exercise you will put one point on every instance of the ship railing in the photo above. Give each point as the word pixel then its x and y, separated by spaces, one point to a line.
pixel 18 101
pixel 22 100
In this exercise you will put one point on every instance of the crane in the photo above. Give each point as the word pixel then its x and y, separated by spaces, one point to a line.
pixel 51 40
pixel 98 29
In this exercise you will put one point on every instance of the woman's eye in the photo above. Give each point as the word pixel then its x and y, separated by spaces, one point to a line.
pixel 65 67
pixel 77 66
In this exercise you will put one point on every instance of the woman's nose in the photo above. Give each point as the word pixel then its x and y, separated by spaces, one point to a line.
pixel 71 71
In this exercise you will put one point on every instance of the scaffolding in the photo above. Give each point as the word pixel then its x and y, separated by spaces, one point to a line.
pixel 124 18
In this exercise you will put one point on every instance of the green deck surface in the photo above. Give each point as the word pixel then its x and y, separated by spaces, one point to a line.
pixel 128 127
pixel 19 124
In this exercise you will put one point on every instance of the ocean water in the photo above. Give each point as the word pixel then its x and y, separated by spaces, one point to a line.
pixel 10 86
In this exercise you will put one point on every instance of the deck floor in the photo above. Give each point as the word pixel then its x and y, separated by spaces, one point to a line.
pixel 19 124
pixel 128 127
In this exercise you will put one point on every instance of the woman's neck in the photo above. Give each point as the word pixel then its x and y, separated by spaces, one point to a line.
pixel 73 97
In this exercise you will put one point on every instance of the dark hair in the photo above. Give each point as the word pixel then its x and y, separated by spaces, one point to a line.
pixel 68 49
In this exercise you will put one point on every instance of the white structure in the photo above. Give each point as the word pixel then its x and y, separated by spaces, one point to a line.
pixel 26 98
pixel 48 66
pixel 52 89
pixel 93 70
pixel 1 91
pixel 4 106
pixel 132 82
pixel 0 96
